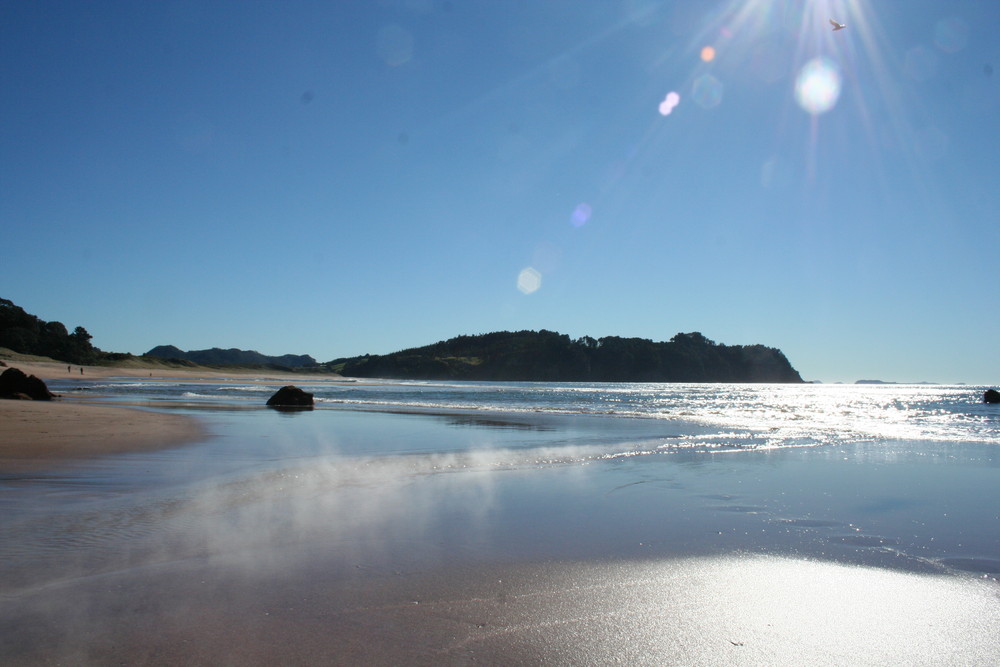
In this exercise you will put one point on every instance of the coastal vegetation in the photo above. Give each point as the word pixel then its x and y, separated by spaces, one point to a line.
pixel 543 355
pixel 553 357
pixel 27 337
pixel 231 357
pixel 27 334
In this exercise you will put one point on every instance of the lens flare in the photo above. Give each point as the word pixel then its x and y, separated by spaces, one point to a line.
pixel 581 214
pixel 708 54
pixel 706 91
pixel 394 45
pixel 669 102
pixel 529 280
pixel 817 87
pixel 951 35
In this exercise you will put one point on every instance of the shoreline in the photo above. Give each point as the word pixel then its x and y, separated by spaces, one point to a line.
pixel 40 434
pixel 340 537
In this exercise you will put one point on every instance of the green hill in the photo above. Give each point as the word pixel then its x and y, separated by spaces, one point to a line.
pixel 231 357
pixel 27 334
pixel 553 357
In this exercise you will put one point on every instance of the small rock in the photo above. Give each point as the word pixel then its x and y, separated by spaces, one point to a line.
pixel 291 397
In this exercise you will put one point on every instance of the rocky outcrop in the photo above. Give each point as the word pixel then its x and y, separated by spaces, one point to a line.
pixel 15 384
pixel 291 396
pixel 991 396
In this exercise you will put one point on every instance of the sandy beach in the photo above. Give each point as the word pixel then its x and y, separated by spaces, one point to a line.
pixel 384 536
pixel 36 434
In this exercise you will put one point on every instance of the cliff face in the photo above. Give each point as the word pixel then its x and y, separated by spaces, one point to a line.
pixel 553 357
pixel 231 357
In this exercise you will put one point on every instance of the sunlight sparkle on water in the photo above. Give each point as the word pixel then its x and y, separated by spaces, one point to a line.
pixel 669 102
pixel 817 87
pixel 529 280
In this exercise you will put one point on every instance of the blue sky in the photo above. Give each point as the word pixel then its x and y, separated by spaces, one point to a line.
pixel 342 178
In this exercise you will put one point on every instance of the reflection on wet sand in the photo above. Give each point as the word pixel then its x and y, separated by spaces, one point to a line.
pixel 718 610
pixel 398 538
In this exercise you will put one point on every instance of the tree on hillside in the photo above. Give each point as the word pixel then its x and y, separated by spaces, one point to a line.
pixel 27 334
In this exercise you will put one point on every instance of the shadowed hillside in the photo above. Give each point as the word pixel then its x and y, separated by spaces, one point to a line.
pixel 25 333
pixel 231 357
pixel 553 357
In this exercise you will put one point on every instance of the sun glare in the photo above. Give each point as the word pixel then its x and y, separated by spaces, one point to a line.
pixel 817 87
pixel 529 280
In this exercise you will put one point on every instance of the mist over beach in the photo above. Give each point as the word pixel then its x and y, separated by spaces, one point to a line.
pixel 515 522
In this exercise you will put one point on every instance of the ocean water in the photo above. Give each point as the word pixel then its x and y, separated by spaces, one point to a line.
pixel 386 483
pixel 740 416
pixel 908 474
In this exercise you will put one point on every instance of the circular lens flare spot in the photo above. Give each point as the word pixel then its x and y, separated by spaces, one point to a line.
pixel 817 87
pixel 708 54
pixel 581 214
pixel 529 280
pixel 394 45
pixel 706 91
pixel 951 35
pixel 669 102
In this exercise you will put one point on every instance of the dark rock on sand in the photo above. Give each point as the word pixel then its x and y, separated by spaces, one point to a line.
pixel 991 396
pixel 15 384
pixel 291 397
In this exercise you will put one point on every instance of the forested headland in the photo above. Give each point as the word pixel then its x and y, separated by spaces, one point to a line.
pixel 25 333
pixel 552 357
pixel 544 356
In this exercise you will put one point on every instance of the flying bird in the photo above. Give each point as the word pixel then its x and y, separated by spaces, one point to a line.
pixel 837 26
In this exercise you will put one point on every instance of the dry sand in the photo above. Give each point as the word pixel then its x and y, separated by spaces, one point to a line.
pixel 34 434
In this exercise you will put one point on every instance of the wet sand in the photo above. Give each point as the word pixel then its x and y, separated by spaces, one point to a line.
pixel 738 610
pixel 35 434
pixel 360 538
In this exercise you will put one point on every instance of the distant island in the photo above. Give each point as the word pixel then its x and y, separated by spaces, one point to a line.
pixel 890 382
pixel 552 357
pixel 231 357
